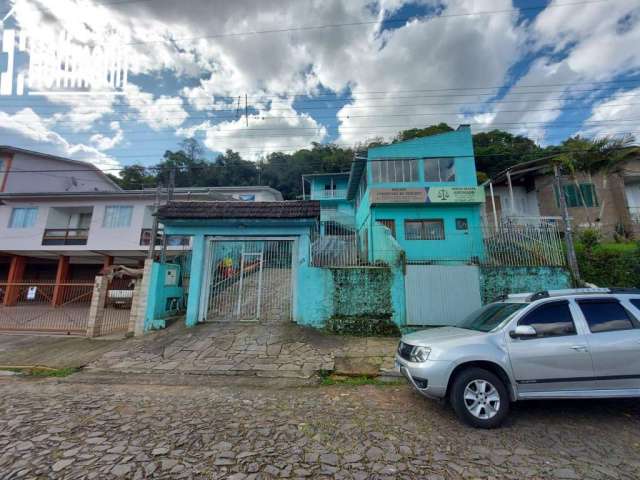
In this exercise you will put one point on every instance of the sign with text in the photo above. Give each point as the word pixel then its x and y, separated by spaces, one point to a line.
pixel 428 195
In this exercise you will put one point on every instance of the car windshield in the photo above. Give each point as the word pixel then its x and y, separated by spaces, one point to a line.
pixel 490 316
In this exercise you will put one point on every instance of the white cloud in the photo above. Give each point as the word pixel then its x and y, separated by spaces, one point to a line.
pixel 27 124
pixel 608 117
pixel 103 142
pixel 158 113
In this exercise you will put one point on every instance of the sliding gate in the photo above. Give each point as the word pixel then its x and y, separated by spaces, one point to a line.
pixel 248 279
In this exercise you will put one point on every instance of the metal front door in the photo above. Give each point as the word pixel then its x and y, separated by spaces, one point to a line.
pixel 248 279
pixel 441 294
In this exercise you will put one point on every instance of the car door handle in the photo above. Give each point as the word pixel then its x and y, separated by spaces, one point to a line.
pixel 580 348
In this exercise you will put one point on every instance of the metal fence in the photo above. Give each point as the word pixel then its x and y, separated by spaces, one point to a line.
pixel 334 244
pixel 117 307
pixel 533 243
pixel 45 307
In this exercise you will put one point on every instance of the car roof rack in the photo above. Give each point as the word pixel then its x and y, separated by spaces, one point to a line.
pixel 582 291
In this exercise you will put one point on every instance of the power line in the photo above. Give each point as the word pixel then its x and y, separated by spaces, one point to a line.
pixel 364 23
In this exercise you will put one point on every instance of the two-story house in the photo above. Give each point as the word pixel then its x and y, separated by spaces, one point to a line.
pixel 65 220
pixel 425 191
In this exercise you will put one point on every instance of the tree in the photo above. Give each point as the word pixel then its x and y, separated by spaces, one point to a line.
pixel 135 177
pixel 422 132
pixel 498 150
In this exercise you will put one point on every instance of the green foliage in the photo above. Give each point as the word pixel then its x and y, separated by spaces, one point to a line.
pixel 328 379
pixel 498 150
pixel 362 326
pixel 610 265
pixel 422 132
pixel 589 238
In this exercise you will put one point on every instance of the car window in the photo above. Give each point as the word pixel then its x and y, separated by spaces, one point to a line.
pixel 605 315
pixel 550 320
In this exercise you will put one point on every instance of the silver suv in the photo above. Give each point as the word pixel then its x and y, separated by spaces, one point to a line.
pixel 581 343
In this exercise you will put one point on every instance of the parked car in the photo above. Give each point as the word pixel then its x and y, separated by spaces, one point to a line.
pixel 580 343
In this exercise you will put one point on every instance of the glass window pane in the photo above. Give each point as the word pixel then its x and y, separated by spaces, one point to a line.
pixel 447 170
pixel 431 173
pixel 551 320
pixel 424 230
pixel 605 316
pixel 117 216
pixel 23 217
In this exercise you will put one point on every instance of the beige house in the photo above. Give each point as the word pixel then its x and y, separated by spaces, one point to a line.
pixel 609 202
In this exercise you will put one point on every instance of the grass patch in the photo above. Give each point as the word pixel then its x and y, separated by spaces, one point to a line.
pixel 44 371
pixel 328 379
pixel 611 247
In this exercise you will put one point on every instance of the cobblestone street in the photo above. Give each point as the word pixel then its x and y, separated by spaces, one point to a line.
pixel 60 429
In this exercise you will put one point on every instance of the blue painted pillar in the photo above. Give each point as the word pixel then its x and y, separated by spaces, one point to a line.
pixel 195 282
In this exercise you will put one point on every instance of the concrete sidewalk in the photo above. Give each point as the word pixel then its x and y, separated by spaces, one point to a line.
pixel 52 351
pixel 271 350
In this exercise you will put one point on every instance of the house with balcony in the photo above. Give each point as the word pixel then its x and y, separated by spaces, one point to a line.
pixel 64 220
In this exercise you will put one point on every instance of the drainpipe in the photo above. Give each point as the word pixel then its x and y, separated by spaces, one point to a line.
pixel 511 202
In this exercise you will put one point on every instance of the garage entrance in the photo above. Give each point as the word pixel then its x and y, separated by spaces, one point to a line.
pixel 248 279
pixel 441 294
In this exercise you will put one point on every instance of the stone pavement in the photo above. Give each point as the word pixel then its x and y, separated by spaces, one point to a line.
pixel 69 431
pixel 263 350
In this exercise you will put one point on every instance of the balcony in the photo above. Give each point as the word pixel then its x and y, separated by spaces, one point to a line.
pixel 65 236
pixel 172 240
pixel 336 194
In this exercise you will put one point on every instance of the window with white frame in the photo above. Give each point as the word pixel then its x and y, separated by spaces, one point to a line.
pixel 394 170
pixel 23 217
pixel 439 170
pixel 117 216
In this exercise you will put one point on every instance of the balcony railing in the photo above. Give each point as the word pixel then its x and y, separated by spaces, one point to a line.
pixel 340 194
pixel 65 236
pixel 172 240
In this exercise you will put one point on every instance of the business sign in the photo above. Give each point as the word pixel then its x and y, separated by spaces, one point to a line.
pixel 428 195
pixel 56 63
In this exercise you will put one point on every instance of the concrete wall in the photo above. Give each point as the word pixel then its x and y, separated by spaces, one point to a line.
pixel 497 281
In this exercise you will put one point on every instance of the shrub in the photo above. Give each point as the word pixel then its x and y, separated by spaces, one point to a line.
pixel 589 238
pixel 608 267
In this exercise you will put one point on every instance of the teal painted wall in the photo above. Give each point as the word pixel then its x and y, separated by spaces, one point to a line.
pixel 458 245
pixel 496 281
pixel 159 293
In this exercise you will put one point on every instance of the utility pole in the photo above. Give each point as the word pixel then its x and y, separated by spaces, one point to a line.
pixel 568 233
pixel 172 183
pixel 154 227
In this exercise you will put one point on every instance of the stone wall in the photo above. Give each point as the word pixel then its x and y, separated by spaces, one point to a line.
pixel 362 291
pixel 496 281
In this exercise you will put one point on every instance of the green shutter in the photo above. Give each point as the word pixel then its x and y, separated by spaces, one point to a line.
pixel 571 195
pixel 589 194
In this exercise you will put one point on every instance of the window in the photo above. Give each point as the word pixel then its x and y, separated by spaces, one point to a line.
pixel 424 230
pixel 23 217
pixel 551 320
pixel 439 170
pixel 605 315
pixel 462 224
pixel 390 224
pixel 118 216
pixel 394 171
pixel 575 194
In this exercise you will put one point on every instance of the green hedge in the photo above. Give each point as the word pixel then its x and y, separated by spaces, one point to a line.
pixel 610 267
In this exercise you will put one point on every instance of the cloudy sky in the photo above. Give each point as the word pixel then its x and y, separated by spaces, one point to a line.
pixel 326 71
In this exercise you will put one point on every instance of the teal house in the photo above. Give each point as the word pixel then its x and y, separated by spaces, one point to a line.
pixel 423 190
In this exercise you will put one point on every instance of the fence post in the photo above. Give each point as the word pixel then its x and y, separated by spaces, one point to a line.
pixel 96 310
pixel 140 299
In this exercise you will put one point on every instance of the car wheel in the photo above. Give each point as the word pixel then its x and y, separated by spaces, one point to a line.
pixel 479 398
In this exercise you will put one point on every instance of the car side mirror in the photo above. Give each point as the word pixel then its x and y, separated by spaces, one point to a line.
pixel 523 331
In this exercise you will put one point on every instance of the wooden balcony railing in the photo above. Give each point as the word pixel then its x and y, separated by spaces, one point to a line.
pixel 65 236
